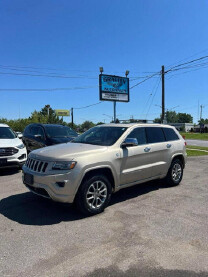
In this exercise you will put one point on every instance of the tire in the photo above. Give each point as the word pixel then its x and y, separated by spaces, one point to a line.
pixel 175 173
pixel 94 195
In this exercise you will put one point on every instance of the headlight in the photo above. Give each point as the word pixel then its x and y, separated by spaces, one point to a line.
pixel 21 146
pixel 63 165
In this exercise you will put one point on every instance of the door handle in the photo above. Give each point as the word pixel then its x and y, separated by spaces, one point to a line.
pixel 147 149
pixel 169 145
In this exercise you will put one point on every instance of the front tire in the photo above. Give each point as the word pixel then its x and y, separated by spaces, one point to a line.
pixel 94 195
pixel 175 173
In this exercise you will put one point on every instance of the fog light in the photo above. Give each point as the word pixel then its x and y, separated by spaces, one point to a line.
pixel 60 184
pixel 22 157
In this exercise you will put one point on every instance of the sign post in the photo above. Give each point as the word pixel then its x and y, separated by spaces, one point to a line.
pixel 114 88
pixel 62 112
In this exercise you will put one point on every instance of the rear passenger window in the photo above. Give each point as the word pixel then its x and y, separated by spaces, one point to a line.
pixel 139 134
pixel 155 134
pixel 170 134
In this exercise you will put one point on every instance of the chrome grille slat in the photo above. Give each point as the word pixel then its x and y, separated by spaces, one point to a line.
pixel 32 164
pixel 40 166
pixel 36 165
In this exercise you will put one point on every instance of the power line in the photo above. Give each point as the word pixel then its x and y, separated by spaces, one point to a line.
pixel 205 50
pixel 149 77
pixel 48 89
pixel 50 76
pixel 201 58
pixel 35 71
pixel 22 68
pixel 156 88
pixel 88 106
pixel 185 72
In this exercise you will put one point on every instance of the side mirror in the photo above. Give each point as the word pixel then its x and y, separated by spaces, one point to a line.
pixel 19 136
pixel 128 142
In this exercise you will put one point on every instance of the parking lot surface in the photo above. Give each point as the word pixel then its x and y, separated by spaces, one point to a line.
pixel 147 230
pixel 197 142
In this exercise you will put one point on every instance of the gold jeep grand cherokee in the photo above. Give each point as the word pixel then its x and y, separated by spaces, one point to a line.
pixel 104 160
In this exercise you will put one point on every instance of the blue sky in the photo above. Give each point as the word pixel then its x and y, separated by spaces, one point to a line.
pixel 71 39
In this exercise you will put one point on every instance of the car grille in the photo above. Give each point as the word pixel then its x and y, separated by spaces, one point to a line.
pixel 8 151
pixel 36 165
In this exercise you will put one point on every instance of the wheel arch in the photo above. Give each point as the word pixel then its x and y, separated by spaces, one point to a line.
pixel 106 171
pixel 179 157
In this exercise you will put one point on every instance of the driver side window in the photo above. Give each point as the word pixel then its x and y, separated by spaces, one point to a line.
pixel 36 130
pixel 139 134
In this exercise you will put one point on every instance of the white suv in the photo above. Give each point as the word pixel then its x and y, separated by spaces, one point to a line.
pixel 12 150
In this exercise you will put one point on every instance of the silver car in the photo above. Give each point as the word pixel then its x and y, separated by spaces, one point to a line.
pixel 104 160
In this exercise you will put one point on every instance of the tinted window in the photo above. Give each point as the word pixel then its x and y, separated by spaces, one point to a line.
pixel 139 134
pixel 59 132
pixel 170 134
pixel 6 133
pixel 155 134
pixel 36 130
pixel 101 136
pixel 27 130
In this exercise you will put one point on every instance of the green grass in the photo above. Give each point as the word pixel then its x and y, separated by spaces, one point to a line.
pixel 191 150
pixel 203 136
pixel 197 147
pixel 196 153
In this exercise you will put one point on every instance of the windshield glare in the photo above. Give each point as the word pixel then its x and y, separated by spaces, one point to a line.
pixel 7 133
pixel 60 131
pixel 105 136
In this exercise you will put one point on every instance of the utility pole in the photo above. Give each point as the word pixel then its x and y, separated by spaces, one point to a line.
pixel 201 118
pixel 114 108
pixel 48 111
pixel 201 112
pixel 72 118
pixel 163 93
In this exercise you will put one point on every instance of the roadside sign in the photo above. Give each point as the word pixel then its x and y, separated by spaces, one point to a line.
pixel 114 88
pixel 62 112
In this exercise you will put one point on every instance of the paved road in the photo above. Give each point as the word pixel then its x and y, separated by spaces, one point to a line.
pixel 197 142
pixel 148 230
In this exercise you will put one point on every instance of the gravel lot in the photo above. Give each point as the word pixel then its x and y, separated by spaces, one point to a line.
pixel 148 230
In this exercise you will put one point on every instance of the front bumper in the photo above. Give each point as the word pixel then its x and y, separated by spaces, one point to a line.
pixel 48 185
pixel 15 160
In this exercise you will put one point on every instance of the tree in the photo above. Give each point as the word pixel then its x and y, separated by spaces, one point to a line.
pixel 52 117
pixel 203 121
pixel 157 120
pixel 87 125
pixel 184 118
pixel 173 117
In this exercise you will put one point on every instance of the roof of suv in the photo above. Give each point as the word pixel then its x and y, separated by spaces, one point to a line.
pixel 3 125
pixel 50 125
pixel 135 124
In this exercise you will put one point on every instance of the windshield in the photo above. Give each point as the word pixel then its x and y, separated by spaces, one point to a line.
pixel 6 133
pixel 60 131
pixel 101 136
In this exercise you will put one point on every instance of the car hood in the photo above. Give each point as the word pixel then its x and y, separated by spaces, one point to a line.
pixel 61 140
pixel 66 151
pixel 10 142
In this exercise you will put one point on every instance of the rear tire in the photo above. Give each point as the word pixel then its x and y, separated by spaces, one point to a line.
pixel 175 173
pixel 94 195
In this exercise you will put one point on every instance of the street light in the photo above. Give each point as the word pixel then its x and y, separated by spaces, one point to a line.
pixel 101 70
pixel 127 73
